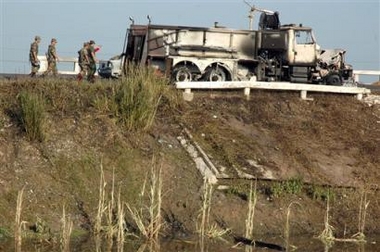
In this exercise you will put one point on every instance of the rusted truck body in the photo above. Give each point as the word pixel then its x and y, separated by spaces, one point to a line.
pixel 274 52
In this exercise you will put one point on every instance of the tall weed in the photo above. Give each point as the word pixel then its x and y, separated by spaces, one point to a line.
pixel 32 115
pixel 138 97
pixel 147 217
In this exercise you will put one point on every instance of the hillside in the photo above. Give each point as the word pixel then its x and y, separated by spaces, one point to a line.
pixel 328 147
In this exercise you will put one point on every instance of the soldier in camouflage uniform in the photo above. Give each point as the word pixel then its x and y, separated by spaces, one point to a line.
pixel 35 63
pixel 83 61
pixel 52 58
pixel 92 62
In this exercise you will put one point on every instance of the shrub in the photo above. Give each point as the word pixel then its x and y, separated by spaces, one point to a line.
pixel 138 97
pixel 32 115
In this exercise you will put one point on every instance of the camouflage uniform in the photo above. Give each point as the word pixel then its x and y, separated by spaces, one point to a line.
pixel 52 58
pixel 83 61
pixel 92 62
pixel 33 52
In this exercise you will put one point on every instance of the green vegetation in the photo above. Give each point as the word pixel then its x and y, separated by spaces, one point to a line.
pixel 239 190
pixel 327 235
pixel 132 100
pixel 317 192
pixel 138 97
pixel 4 233
pixel 291 186
pixel 82 127
pixel 205 227
pixel 32 115
pixel 131 103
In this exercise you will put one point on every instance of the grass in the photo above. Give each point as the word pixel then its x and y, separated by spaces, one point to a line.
pixel 327 235
pixel 252 201
pixel 76 101
pixel 133 100
pixel 147 218
pixel 287 226
pixel 204 216
pixel 204 227
pixel 98 226
pixel 317 192
pixel 18 221
pixel 4 233
pixel 66 230
pixel 32 115
pixel 110 217
pixel 363 206
pixel 120 224
pixel 138 97
pixel 291 186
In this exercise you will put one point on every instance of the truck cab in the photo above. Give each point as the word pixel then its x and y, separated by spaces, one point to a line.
pixel 111 68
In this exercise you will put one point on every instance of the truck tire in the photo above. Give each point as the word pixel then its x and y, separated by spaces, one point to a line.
pixel 182 73
pixel 334 80
pixel 215 74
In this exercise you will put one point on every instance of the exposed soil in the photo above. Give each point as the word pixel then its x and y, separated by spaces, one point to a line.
pixel 329 146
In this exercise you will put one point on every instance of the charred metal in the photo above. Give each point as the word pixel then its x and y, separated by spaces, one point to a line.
pixel 273 52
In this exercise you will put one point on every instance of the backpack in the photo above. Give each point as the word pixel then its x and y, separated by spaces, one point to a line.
pixel 80 56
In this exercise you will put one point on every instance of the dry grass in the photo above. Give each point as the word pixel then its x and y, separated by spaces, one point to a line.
pixel 204 223
pixel 66 230
pixel 110 218
pixel 362 214
pixel 327 235
pixel 120 224
pixel 18 222
pixel 101 203
pixel 148 218
pixel 252 200
pixel 287 226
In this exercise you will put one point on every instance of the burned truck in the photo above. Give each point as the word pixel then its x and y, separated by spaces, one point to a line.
pixel 274 52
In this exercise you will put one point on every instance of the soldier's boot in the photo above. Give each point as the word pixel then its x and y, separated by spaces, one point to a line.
pixel 79 78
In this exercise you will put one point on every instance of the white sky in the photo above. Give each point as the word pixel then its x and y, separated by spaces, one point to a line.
pixel 353 25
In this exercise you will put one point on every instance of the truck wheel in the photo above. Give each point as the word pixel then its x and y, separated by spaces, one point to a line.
pixel 334 79
pixel 182 74
pixel 215 74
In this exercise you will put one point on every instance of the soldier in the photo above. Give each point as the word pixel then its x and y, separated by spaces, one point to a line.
pixel 92 62
pixel 33 56
pixel 52 58
pixel 83 61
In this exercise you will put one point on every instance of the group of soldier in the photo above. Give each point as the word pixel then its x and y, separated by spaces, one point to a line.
pixel 86 59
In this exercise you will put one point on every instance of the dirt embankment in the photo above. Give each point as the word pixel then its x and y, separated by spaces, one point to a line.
pixel 326 147
pixel 331 144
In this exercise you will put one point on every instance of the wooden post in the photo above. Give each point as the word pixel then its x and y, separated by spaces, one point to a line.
pixel 247 92
pixel 188 95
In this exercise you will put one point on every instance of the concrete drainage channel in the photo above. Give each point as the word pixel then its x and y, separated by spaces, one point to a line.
pixel 210 172
pixel 202 161
pixel 208 169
